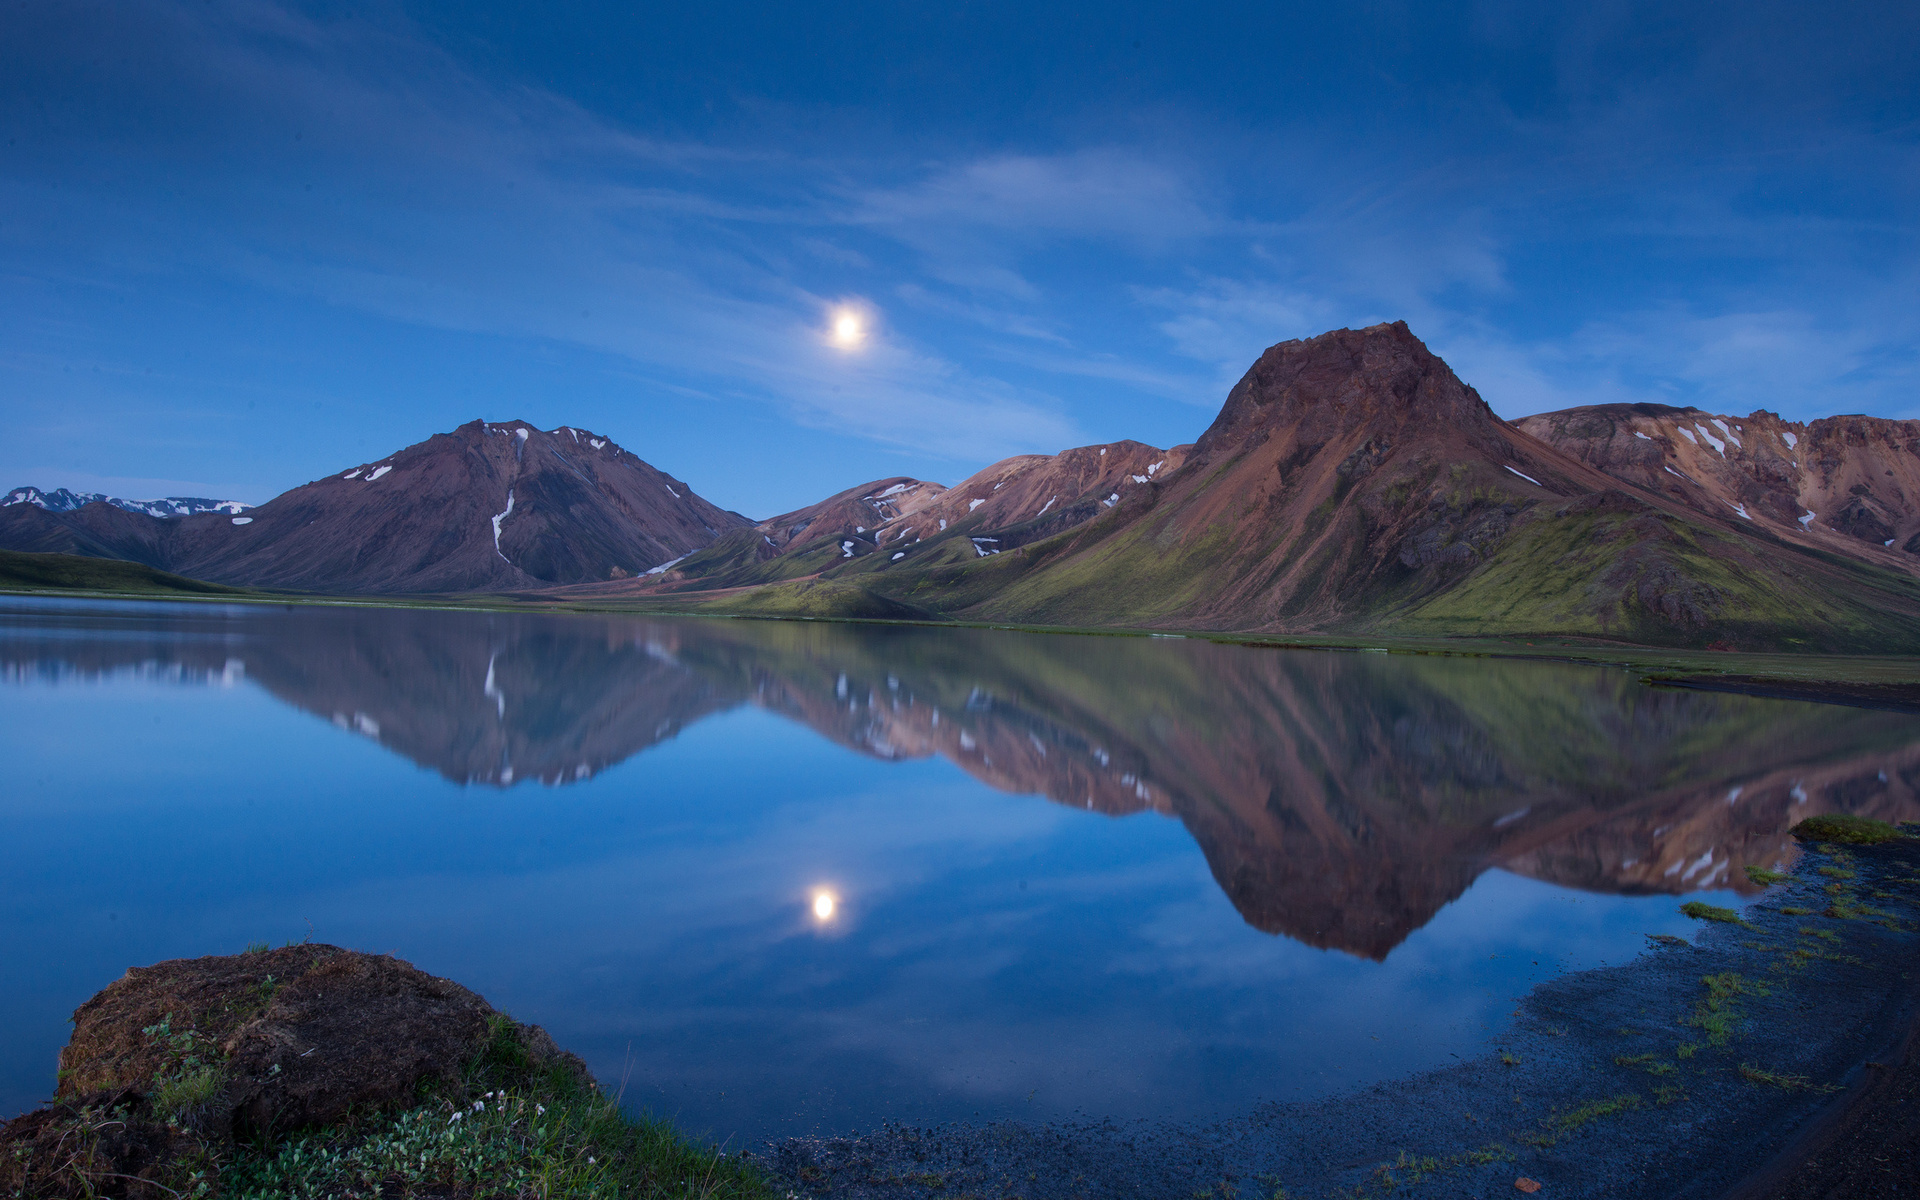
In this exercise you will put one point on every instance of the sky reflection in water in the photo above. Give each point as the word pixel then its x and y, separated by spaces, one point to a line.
pixel 1113 876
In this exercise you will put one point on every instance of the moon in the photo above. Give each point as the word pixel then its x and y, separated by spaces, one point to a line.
pixel 849 329
pixel 824 903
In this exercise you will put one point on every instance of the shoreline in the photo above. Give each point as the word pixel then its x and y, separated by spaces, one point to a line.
pixel 1886 682
pixel 1718 1068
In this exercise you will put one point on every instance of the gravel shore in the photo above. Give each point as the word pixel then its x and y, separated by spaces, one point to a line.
pixel 1769 1055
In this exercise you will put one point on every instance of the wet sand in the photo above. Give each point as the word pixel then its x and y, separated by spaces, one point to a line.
pixel 1736 1065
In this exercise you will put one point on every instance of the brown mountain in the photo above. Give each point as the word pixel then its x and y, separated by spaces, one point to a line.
pixel 488 507
pixel 1010 504
pixel 1352 483
pixel 1846 484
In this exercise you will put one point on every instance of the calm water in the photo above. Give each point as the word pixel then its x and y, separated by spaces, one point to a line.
pixel 1108 876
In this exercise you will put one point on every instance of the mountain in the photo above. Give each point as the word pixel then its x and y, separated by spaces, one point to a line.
pixel 62 500
pixel 488 507
pixel 1845 484
pixel 1014 502
pixel 1353 484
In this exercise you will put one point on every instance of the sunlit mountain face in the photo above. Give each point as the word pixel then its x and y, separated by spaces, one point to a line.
pixel 1339 799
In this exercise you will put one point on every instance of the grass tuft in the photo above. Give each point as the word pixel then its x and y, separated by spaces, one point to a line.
pixel 1846 829
pixel 1764 877
pixel 1700 911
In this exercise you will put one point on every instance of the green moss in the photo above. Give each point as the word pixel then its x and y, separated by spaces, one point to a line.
pixel 510 1129
pixel 1765 878
pixel 1719 1012
pixel 1789 1083
pixel 1701 911
pixel 1846 829
pixel 1595 1110
pixel 1650 1063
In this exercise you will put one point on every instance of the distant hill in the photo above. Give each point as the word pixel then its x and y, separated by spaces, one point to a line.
pixel 62 500
pixel 911 522
pixel 73 573
pixel 488 507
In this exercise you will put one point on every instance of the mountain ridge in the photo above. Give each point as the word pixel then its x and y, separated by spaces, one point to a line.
pixel 1351 484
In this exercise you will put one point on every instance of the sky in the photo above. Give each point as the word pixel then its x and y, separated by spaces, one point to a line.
pixel 244 244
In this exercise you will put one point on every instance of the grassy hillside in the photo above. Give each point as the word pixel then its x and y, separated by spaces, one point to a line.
pixel 72 573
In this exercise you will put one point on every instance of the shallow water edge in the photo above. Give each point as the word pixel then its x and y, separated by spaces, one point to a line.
pixel 1678 1075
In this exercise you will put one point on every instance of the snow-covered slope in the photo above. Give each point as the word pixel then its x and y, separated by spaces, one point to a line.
pixel 62 500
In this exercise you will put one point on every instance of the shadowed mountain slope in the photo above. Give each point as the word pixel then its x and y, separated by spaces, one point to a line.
pixel 488 507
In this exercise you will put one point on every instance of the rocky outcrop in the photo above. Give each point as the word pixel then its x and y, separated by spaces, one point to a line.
pixel 170 1063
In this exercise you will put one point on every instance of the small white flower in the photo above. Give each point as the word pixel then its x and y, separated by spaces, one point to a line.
pixel 455 1117
pixel 479 1106
pixel 539 1110
pixel 589 1160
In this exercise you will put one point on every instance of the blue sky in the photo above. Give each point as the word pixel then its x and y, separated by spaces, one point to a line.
pixel 244 244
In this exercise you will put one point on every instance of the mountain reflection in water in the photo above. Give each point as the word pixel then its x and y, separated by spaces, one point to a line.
pixel 1340 799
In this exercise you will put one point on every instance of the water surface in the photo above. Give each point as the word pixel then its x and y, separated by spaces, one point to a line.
pixel 1137 878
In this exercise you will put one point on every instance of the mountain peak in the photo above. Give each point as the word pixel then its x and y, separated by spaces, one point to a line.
pixel 1327 386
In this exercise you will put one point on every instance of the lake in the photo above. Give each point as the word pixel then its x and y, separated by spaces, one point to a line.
pixel 783 878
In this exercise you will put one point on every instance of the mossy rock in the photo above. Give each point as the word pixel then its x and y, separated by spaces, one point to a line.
pixel 1845 829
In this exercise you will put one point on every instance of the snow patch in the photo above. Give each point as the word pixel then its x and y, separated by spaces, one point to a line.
pixel 1110 501
pixel 352 473
pixel 859 528
pixel 1727 432
pixel 1103 453
pixel 1807 521
pixel 596 443
pixel 943 522
pixel 1792 440
pixel 1675 474
pixel 1045 507
pixel 1888 542
pixel 667 565
pixel 1155 467
pixel 898 555
pixel 1641 436
pixel 1714 441
pixel 1688 434
pixel 376 473
pixel 670 491
pixel 1742 510
pixel 998 486
pixel 895 490
pixel 846 549
pixel 499 517
pixel 973 504
pixel 249 521
pixel 1530 479
pixel 1138 478
pixel 522 432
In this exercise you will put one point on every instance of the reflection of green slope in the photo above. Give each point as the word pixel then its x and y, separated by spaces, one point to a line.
pixel 1339 798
